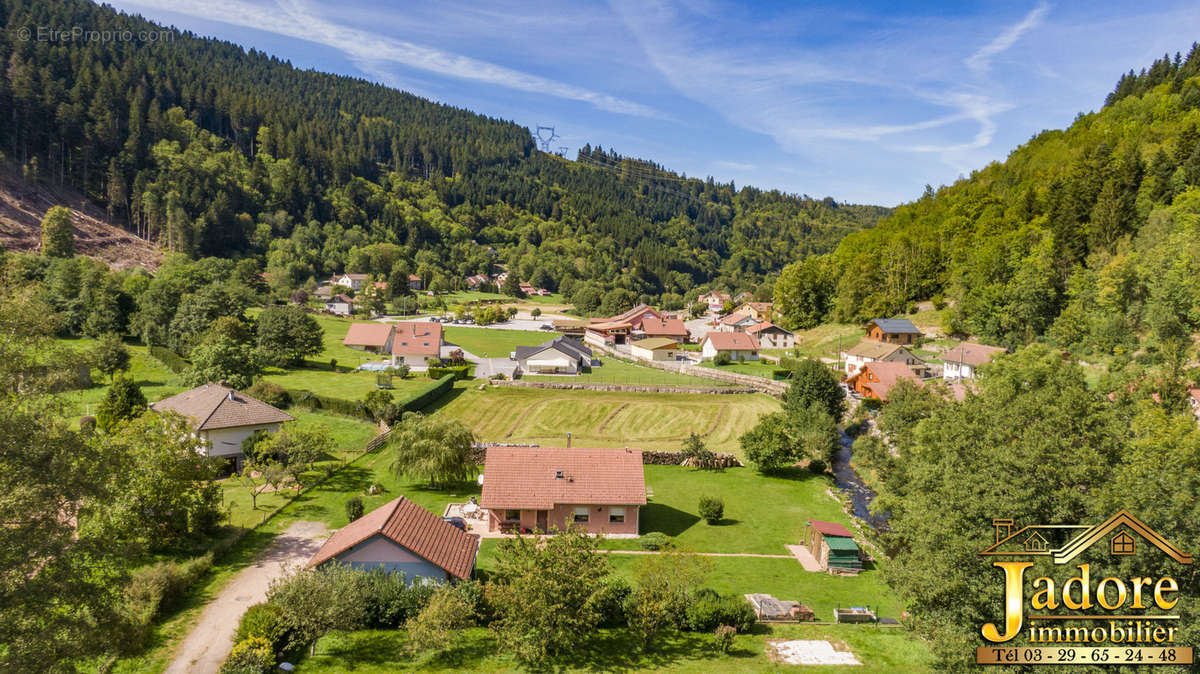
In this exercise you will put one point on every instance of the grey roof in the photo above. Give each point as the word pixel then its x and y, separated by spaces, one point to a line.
pixel 572 348
pixel 896 325
pixel 214 406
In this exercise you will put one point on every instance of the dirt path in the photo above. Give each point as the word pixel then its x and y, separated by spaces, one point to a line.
pixel 211 639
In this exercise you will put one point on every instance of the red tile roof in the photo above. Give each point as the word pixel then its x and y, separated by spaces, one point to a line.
pixel 734 318
pixel 888 374
pixel 527 478
pixel 214 406
pixel 830 528
pixel 368 334
pixel 412 527
pixel 672 327
pixel 971 354
pixel 417 338
pixel 636 315
pixel 765 325
pixel 732 341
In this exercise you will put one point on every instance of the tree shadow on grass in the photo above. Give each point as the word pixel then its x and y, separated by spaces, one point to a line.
pixel 444 400
pixel 724 522
pixel 664 518
pixel 619 651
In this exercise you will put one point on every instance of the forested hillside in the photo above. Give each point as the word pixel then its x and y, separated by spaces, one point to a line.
pixel 211 150
pixel 1086 237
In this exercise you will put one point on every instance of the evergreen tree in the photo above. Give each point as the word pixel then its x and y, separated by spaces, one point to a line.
pixel 58 234
pixel 124 400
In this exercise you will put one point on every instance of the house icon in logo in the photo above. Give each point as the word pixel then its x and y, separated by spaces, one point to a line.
pixel 1064 542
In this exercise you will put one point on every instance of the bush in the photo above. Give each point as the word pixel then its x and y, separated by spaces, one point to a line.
pixel 873 404
pixel 723 638
pixel 459 372
pixel 712 509
pixel 706 614
pixel 354 508
pixel 780 374
pixel 251 656
pixel 721 359
pixel 264 621
pixel 655 540
pixel 391 601
pixel 817 466
pixel 609 602
pixel 270 393
pixel 152 590
pixel 333 364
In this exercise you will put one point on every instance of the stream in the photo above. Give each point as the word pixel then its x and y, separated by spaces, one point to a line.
pixel 853 487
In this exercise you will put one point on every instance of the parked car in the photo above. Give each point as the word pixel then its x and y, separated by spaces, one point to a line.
pixel 457 522
pixel 545 326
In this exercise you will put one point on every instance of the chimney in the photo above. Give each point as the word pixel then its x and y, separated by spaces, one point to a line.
pixel 568 439
pixel 1003 527
pixel 558 475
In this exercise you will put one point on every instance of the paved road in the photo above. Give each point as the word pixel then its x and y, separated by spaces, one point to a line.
pixel 209 642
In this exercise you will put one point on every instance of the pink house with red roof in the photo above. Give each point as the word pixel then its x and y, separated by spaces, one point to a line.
pixel 737 345
pixel 540 489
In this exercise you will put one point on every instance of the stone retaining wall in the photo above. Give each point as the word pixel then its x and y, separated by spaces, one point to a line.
pixel 627 388
pixel 650 457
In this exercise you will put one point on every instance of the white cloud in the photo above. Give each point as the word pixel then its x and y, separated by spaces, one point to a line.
pixel 981 60
pixel 371 51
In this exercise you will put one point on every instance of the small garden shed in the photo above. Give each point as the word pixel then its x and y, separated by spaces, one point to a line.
pixel 832 545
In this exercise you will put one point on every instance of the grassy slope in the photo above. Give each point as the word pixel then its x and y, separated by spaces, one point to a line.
pixel 602 419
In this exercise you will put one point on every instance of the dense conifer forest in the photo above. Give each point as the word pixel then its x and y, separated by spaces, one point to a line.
pixel 212 150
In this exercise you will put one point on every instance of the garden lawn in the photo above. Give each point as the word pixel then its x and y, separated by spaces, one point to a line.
pixel 757 368
pixel 617 371
pixel 607 419
pixel 156 381
pixel 762 513
pixel 353 385
pixel 371 652
pixel 493 343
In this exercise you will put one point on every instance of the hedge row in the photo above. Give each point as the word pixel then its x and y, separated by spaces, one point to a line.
pixel 174 362
pixel 459 371
pixel 356 408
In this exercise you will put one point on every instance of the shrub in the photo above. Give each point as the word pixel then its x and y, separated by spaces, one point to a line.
pixel 780 374
pixel 655 540
pixel 609 601
pixel 817 466
pixel 270 393
pixel 154 589
pixel 721 359
pixel 251 656
pixel 872 404
pixel 87 425
pixel 458 371
pixel 472 594
pixel 712 509
pixel 435 627
pixel 333 364
pixel 391 601
pixel 723 638
pixel 354 508
pixel 264 621
pixel 705 614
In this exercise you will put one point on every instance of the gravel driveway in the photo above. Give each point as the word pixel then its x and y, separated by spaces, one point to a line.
pixel 211 639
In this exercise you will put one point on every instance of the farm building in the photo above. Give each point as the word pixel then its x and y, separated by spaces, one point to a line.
pixel 223 417
pixel 832 545
pixel 527 489
pixel 403 536
pixel 561 355
pixel 893 330
pixel 654 348
pixel 962 361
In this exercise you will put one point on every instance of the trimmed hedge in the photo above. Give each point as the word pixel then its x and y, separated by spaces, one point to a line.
pixel 431 393
pixel 780 374
pixel 174 362
pixel 459 372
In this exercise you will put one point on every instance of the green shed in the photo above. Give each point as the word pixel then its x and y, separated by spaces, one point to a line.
pixel 832 545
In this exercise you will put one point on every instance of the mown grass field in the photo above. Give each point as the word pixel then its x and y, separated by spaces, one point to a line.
pixel 616 371
pixel 604 419
pixel 493 343
pixel 372 652
pixel 757 368
pixel 352 385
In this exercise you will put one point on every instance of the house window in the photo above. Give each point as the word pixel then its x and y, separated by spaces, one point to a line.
pixel 512 515
pixel 1123 544
pixel 616 515
pixel 581 515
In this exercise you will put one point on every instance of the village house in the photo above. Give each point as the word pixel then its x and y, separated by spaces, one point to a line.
pixel 402 536
pixel 736 322
pixel 415 282
pixel 474 282
pixel 964 360
pixel 870 351
pixel 771 336
pixel 893 330
pixel 744 296
pixel 340 304
pixel 415 343
pixel 223 418
pixel 737 345
pixel 351 281
pixel 372 337
pixel 763 311
pixel 877 379
pixel 617 329
pixel 654 348
pixel 665 327
pixel 561 355
pixel 540 489
pixel 714 299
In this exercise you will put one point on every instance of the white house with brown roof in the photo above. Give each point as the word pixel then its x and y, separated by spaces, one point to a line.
pixel 402 536
pixel 771 336
pixel 340 304
pixel 415 343
pixel 528 489
pixel 738 345
pixel 737 322
pixel 351 281
pixel 665 327
pixel 714 299
pixel 964 360
pixel 871 351
pixel 223 417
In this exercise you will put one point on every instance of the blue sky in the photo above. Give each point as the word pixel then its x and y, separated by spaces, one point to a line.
pixel 864 103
